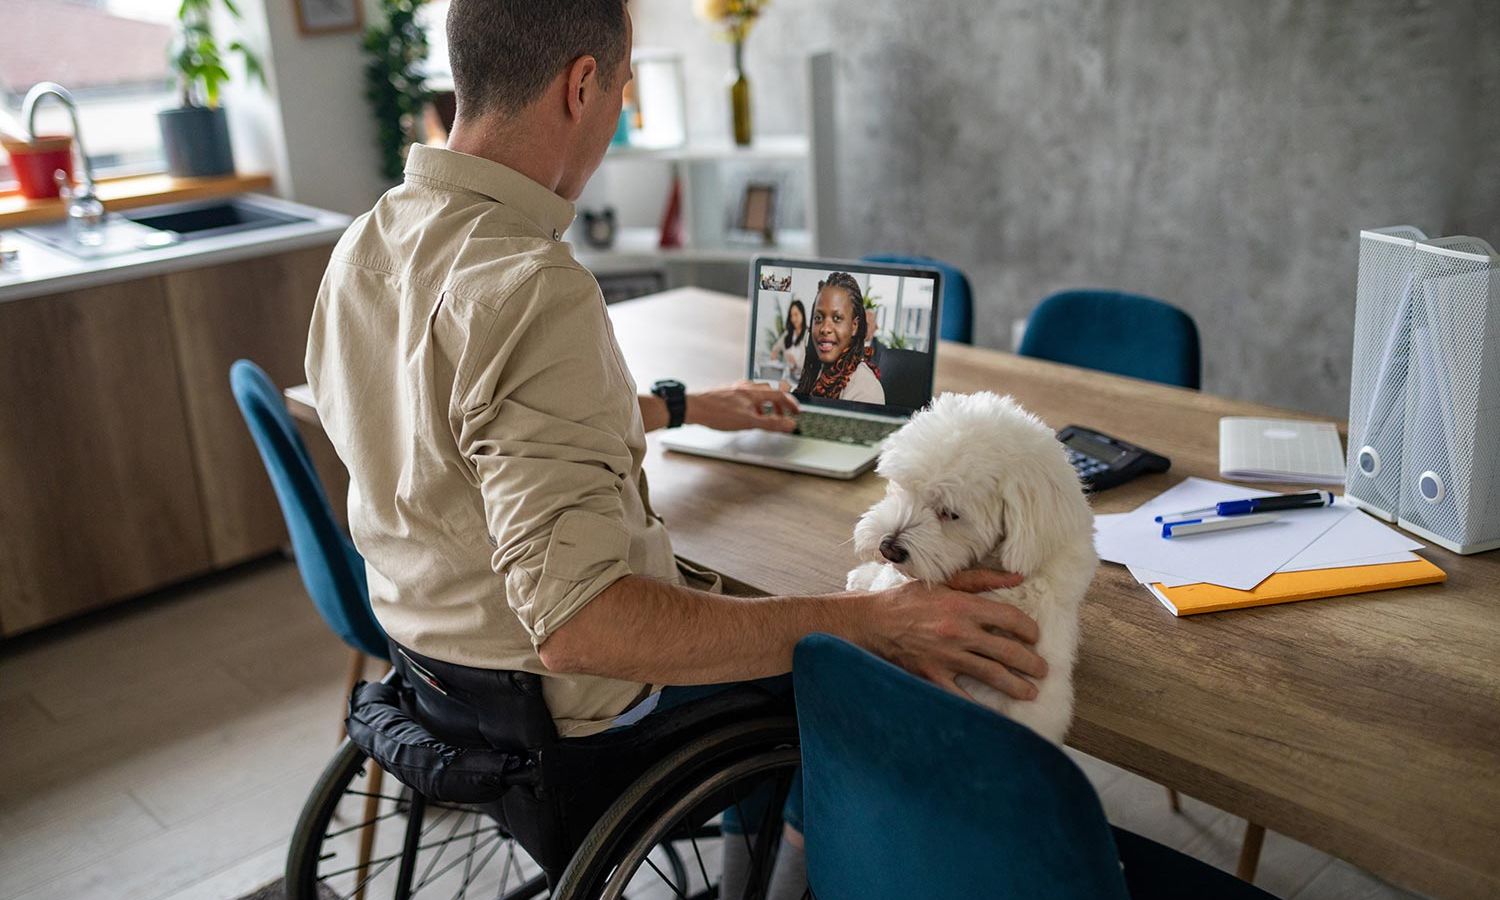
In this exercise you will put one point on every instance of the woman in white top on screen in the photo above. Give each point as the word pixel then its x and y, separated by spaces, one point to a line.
pixel 791 344
pixel 839 366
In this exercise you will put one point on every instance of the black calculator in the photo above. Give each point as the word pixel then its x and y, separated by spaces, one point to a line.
pixel 1102 462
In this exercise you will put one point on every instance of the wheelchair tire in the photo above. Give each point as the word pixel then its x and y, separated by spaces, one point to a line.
pixel 671 803
pixel 323 860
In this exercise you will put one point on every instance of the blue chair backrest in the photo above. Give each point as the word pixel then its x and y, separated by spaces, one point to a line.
pixel 912 792
pixel 1110 331
pixel 958 298
pixel 332 570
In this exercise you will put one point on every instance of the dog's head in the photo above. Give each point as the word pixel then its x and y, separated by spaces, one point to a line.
pixel 974 479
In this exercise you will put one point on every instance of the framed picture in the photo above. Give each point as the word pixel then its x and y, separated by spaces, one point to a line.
pixel 757 218
pixel 328 16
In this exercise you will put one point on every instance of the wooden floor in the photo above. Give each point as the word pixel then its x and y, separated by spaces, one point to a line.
pixel 163 751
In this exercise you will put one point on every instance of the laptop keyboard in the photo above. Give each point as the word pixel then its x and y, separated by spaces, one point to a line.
pixel 848 429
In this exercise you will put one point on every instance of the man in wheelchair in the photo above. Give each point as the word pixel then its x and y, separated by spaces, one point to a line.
pixel 465 370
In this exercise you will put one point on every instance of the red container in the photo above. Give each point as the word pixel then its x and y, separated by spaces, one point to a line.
pixel 35 163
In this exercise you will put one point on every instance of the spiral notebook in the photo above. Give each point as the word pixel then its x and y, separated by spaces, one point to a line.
pixel 1280 450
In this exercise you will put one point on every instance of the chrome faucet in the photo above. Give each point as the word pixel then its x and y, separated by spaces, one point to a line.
pixel 85 212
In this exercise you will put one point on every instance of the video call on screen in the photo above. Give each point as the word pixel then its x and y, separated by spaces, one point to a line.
pixel 863 339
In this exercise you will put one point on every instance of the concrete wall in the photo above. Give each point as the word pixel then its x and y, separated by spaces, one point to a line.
pixel 1219 155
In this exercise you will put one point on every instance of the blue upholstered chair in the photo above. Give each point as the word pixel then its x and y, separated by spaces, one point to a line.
pixel 958 298
pixel 912 792
pixel 331 568
pixel 1126 334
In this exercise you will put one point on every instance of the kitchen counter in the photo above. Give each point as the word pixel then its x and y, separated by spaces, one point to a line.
pixel 45 270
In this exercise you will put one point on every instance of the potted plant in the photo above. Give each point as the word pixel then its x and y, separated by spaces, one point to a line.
pixel 195 135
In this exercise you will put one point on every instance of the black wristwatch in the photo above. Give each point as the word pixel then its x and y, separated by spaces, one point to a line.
pixel 675 395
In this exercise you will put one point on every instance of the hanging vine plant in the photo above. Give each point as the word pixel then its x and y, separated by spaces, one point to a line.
pixel 394 81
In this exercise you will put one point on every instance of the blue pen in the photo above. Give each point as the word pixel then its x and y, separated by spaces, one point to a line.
pixel 1304 500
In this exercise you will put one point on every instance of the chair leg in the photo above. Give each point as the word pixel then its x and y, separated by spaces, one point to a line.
pixel 356 672
pixel 1255 835
pixel 1174 801
pixel 367 833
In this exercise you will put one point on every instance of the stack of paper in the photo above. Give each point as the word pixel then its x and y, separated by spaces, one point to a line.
pixel 1337 537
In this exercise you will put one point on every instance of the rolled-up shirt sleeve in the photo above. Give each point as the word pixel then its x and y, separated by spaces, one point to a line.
pixel 543 419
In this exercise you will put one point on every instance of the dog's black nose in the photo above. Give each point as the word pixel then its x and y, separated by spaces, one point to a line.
pixel 893 551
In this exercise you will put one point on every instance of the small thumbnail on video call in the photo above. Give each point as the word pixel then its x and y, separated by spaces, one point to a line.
pixel 856 337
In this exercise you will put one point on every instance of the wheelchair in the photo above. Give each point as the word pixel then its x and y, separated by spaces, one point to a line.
pixel 633 813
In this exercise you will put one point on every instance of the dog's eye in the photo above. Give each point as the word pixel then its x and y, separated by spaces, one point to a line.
pixel 947 515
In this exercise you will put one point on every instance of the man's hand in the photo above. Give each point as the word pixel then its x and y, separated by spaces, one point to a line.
pixel 939 632
pixel 741 406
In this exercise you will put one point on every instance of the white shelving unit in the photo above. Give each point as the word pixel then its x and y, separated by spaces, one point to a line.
pixel 637 181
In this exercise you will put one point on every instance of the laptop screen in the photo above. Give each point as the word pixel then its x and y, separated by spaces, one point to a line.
pixel 855 336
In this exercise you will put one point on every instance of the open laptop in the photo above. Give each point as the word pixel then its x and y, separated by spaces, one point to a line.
pixel 852 394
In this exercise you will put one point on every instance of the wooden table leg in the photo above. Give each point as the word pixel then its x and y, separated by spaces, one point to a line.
pixel 1174 801
pixel 1255 835
pixel 356 672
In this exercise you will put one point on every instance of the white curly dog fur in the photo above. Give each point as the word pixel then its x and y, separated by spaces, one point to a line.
pixel 977 481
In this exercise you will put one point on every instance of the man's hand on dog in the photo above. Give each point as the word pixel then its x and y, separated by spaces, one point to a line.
pixel 939 632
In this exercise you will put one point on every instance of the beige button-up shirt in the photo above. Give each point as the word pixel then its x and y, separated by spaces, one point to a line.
pixel 464 366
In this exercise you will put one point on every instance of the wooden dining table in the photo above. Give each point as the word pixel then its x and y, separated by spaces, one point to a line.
pixel 1367 726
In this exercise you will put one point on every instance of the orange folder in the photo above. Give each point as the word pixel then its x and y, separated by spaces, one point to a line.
pixel 1287 587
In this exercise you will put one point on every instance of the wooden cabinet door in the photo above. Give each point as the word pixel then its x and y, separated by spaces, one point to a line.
pixel 98 495
pixel 257 309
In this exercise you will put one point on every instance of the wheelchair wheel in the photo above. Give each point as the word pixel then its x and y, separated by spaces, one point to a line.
pixel 677 803
pixel 361 836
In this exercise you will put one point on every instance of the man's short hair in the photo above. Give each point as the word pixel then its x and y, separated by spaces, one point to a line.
pixel 504 53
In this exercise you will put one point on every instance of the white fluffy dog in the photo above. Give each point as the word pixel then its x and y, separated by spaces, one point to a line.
pixel 977 481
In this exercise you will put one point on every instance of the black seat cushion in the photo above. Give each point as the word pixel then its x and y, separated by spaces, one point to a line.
pixel 379 725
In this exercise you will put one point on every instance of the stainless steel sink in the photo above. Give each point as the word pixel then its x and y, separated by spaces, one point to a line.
pixel 194 221
pixel 162 226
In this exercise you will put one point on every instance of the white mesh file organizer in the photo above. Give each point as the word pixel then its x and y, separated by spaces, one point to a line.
pixel 1377 387
pixel 1451 437
pixel 1424 407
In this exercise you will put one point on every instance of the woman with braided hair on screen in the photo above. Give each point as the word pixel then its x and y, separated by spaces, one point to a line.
pixel 840 366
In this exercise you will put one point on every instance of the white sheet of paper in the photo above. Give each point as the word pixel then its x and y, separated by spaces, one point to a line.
pixel 1382 560
pixel 1240 558
pixel 1151 576
pixel 1357 536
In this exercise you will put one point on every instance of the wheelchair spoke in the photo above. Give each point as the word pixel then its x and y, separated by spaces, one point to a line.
pixel 463 889
pixel 702 869
pixel 665 880
pixel 469 859
pixel 496 840
pixel 457 821
pixel 510 860
pixel 386 864
pixel 364 824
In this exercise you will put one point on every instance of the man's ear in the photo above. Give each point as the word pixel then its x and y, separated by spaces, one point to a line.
pixel 583 82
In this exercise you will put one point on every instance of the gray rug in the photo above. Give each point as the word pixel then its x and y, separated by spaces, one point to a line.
pixel 276 890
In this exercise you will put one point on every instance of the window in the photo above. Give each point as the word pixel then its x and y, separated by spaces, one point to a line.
pixel 112 56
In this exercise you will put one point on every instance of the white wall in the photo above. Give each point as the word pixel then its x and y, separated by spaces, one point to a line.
pixel 312 129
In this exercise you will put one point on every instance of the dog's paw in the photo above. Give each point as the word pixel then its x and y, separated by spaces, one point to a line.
pixel 863 577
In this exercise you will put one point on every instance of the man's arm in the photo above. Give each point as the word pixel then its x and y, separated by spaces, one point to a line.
pixel 733 408
pixel 639 629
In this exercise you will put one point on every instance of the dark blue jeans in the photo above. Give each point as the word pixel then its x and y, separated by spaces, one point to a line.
pixel 747 816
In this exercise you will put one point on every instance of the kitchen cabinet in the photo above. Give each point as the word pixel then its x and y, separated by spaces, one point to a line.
pixel 99 495
pixel 125 466
pixel 256 309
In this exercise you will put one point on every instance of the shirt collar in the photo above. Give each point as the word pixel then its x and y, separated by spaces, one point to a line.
pixel 551 213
